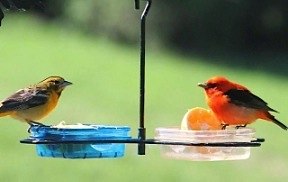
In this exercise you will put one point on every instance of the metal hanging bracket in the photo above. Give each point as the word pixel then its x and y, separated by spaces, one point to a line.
pixel 142 129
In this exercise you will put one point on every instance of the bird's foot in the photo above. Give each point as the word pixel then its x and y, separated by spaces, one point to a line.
pixel 30 127
pixel 224 125
pixel 240 126
pixel 33 124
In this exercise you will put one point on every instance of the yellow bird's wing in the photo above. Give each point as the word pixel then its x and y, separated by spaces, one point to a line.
pixel 24 99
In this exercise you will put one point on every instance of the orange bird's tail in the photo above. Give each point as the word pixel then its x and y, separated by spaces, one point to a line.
pixel 274 120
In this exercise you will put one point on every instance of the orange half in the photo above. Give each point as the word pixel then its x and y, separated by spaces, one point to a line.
pixel 200 119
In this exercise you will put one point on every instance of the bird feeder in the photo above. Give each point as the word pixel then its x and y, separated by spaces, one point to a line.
pixel 102 141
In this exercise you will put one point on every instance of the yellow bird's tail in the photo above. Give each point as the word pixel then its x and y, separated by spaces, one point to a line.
pixel 5 114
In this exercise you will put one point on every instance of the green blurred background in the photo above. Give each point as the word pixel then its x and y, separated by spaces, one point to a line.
pixel 94 44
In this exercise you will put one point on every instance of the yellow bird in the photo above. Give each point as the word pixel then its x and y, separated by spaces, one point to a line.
pixel 32 103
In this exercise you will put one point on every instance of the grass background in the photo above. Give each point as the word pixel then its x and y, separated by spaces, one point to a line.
pixel 105 91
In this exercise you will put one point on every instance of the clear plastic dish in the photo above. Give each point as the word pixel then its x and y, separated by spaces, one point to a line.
pixel 86 133
pixel 196 153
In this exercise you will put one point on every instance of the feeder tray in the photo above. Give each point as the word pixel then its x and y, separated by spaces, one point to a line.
pixel 207 153
pixel 53 141
pixel 101 141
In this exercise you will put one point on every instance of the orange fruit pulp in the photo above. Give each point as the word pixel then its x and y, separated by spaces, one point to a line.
pixel 200 119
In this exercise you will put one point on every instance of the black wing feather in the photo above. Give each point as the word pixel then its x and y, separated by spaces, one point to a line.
pixel 24 99
pixel 247 99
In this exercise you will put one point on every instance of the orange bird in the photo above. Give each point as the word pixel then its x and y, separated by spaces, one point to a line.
pixel 32 103
pixel 234 104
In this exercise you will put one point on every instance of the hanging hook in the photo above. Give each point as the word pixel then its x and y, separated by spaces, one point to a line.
pixel 142 130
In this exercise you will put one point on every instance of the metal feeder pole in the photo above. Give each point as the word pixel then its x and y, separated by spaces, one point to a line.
pixel 142 129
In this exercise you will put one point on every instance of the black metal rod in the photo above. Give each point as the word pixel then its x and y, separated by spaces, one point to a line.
pixel 142 130
pixel 258 140
pixel 137 4
pixel 148 141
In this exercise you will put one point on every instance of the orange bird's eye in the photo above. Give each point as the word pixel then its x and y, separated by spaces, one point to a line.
pixel 212 85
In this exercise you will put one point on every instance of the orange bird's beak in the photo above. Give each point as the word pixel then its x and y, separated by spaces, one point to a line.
pixel 203 85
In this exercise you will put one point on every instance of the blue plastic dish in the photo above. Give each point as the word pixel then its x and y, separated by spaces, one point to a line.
pixel 79 150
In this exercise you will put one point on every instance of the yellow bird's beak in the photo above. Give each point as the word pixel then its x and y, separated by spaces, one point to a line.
pixel 65 84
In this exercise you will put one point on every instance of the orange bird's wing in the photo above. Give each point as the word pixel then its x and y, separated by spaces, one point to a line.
pixel 24 99
pixel 245 98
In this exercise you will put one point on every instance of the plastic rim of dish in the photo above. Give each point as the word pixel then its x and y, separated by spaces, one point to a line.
pixel 86 133
pixel 197 153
